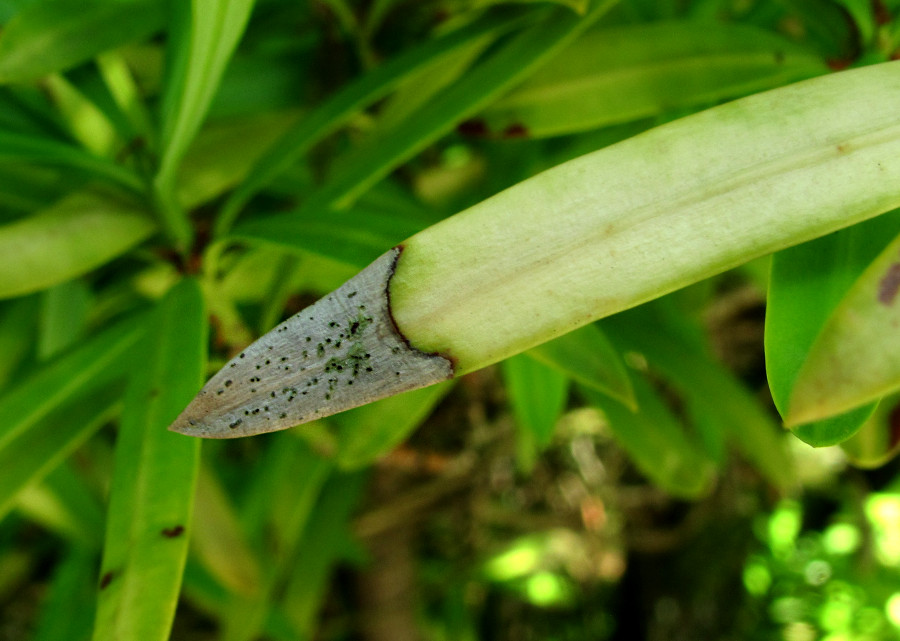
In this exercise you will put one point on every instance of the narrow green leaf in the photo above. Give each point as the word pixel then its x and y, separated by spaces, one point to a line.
pixel 18 325
pixel 63 317
pixel 878 440
pixel 508 65
pixel 96 361
pixel 53 35
pixel 63 503
pixel 17 147
pixel 806 284
pixel 217 539
pixel 587 357
pixel 855 359
pixel 67 610
pixel 203 38
pixel 615 75
pixel 283 506
pixel 652 331
pixel 355 236
pixel 537 394
pixel 31 454
pixel 335 112
pixel 371 431
pixel 324 543
pixel 82 231
pixel 153 482
pixel 656 441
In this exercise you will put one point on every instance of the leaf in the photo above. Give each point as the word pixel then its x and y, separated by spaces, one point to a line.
pixel 67 610
pixel 63 503
pixel 80 232
pixel 586 356
pixel 96 361
pixel 366 433
pixel 337 110
pixel 537 394
pixel 644 217
pixel 806 284
pixel 18 322
pixel 707 387
pixel 153 481
pixel 48 36
pixel 855 359
pixel 30 455
pixel 328 534
pixel 509 63
pixel 217 539
pixel 63 317
pixel 203 38
pixel 16 147
pixel 878 440
pixel 614 75
pixel 656 441
pixel 356 236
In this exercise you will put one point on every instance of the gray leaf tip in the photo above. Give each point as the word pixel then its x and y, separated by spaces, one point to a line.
pixel 339 353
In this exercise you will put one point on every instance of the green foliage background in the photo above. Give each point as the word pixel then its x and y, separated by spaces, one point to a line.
pixel 175 178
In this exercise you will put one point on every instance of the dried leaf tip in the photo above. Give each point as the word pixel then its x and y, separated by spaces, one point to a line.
pixel 341 352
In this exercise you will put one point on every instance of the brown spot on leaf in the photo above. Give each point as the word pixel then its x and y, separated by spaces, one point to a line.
pixel 474 128
pixel 894 426
pixel 889 285
pixel 517 130
pixel 106 579
pixel 172 532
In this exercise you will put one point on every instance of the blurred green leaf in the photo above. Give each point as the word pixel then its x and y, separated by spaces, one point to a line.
pixel 854 360
pixel 325 541
pixel 217 539
pixel 64 503
pixel 31 454
pixel 80 232
pixel 586 356
pixel 878 440
pixel 282 505
pixel 537 394
pixel 656 441
pixel 614 75
pixel 67 611
pixel 47 36
pixel 652 330
pixel 356 236
pixel 371 431
pixel 63 317
pixel 335 112
pixel 16 147
pixel 18 325
pixel 151 497
pixel 203 36
pixel 508 64
pixel 805 286
pixel 95 362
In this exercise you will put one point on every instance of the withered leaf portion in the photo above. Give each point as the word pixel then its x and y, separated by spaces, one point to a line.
pixel 341 352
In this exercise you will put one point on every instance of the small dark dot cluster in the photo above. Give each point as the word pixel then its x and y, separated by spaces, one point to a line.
pixel 342 368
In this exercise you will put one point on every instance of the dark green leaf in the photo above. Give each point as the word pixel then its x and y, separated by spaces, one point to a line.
pixel 53 35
